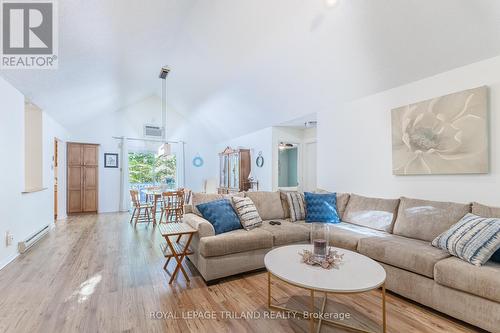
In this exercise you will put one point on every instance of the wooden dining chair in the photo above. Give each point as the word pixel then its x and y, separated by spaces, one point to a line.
pixel 142 210
pixel 172 206
pixel 187 196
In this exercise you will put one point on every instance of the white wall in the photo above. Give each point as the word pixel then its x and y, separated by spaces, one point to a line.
pixel 129 122
pixel 259 141
pixel 354 142
pixel 23 214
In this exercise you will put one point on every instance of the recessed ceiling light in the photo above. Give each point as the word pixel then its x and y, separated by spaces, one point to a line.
pixel 331 3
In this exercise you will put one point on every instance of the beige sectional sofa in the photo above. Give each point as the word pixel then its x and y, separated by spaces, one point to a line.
pixel 395 232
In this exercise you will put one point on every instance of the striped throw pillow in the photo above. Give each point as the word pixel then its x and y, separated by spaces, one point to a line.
pixel 473 239
pixel 247 212
pixel 296 205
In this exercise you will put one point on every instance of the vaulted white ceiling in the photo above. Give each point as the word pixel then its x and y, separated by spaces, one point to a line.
pixel 252 63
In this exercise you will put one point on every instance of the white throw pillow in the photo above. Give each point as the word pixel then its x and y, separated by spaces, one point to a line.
pixel 296 205
pixel 247 212
pixel 473 239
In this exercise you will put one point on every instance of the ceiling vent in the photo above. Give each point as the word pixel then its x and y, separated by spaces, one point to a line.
pixel 311 124
pixel 152 131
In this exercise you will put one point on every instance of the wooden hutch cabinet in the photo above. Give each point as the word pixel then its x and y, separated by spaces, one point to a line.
pixel 234 169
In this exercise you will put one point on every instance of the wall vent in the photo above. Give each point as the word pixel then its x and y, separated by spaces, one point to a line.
pixel 152 131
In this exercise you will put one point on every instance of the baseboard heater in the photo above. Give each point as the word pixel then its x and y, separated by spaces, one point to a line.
pixel 31 240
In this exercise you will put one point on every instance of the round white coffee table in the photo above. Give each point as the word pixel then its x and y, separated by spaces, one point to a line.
pixel 357 274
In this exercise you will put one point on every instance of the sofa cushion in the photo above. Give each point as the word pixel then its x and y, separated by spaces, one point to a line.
pixel 235 241
pixel 347 235
pixel 268 204
pixel 200 198
pixel 410 254
pixel 482 281
pixel 342 200
pixel 373 213
pixel 485 211
pixel 425 220
pixel 287 232
pixel 321 207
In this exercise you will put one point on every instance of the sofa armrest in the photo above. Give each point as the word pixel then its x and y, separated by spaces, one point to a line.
pixel 188 209
pixel 204 227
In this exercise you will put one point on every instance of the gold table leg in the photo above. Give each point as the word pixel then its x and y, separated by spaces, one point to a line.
pixel 320 317
pixel 269 289
pixel 311 313
pixel 384 320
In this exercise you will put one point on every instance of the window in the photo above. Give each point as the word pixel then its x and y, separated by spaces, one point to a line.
pixel 146 169
pixel 33 148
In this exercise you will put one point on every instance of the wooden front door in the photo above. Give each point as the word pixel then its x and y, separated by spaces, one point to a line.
pixel 83 168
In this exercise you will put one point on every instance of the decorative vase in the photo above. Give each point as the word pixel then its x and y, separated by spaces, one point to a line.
pixel 320 239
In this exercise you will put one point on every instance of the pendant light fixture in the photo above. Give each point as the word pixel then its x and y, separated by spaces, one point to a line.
pixel 165 148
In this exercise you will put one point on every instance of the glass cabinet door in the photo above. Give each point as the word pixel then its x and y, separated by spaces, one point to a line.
pixel 221 171
pixel 231 171
pixel 223 181
pixel 226 170
pixel 236 171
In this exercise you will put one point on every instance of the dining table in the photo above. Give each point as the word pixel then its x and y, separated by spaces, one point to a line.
pixel 154 196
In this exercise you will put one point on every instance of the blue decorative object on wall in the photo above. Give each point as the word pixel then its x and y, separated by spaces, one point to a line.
pixel 197 161
pixel 260 160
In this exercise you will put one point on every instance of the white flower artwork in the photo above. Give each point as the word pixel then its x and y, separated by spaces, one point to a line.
pixel 443 135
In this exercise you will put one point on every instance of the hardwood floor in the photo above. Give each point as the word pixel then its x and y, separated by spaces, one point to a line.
pixel 96 273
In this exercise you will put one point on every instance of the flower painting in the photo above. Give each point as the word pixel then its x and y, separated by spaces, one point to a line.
pixel 444 135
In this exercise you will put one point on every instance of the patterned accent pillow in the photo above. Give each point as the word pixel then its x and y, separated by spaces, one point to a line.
pixel 246 210
pixel 221 215
pixel 296 205
pixel 473 239
pixel 321 207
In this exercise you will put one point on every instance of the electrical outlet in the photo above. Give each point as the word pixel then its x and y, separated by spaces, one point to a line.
pixel 9 238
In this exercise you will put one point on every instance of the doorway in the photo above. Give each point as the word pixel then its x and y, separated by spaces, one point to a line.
pixel 288 165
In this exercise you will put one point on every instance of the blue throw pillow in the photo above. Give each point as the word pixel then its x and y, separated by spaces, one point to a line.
pixel 221 214
pixel 321 207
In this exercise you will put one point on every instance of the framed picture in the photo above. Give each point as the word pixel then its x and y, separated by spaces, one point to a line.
pixel 442 136
pixel 110 160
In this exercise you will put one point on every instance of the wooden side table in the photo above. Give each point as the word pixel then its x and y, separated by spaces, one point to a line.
pixel 174 249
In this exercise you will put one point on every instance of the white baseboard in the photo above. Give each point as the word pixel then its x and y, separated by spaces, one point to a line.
pixel 8 260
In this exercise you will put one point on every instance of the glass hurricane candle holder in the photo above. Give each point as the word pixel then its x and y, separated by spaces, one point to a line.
pixel 320 239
